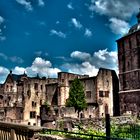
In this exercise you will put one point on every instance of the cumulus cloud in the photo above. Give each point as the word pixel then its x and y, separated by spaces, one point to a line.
pixel 42 67
pixel 88 64
pixel 76 23
pixel 70 6
pixel 91 63
pixel 119 26
pixel 57 33
pixel 80 55
pixel 115 8
pixel 118 11
pixel 83 68
pixel 88 33
pixel 26 4
pixel 39 66
pixel 19 70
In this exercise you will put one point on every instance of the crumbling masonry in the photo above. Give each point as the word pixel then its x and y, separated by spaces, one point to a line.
pixel 21 96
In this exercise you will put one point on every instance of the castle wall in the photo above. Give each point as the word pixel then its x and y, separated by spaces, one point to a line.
pixel 129 72
pixel 104 92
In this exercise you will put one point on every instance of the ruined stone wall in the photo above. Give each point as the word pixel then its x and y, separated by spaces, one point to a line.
pixel 104 92
pixel 52 93
pixel 89 85
pixel 129 72
pixel 34 92
pixel 129 103
pixel 13 113
pixel 63 83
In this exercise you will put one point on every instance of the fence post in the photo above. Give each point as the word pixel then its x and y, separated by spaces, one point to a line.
pixel 107 120
pixel 13 135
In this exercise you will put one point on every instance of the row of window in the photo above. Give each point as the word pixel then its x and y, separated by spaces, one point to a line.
pixel 103 93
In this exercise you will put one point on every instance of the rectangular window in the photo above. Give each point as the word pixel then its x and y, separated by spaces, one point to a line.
pixel 36 86
pixel 32 114
pixel 106 93
pixel 88 94
pixel 101 93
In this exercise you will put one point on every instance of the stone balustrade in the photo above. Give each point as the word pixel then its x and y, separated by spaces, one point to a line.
pixel 12 131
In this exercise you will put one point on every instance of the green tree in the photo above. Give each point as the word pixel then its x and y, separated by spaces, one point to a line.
pixel 76 96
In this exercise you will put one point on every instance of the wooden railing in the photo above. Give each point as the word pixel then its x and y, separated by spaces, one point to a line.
pixel 12 131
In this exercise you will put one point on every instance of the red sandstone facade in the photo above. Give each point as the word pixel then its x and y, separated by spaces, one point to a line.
pixel 129 70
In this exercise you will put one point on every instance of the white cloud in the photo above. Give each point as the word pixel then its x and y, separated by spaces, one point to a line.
pixel 83 68
pixel 70 6
pixel 91 63
pixel 39 63
pixel 119 12
pixel 42 67
pixel 3 73
pixel 88 64
pixel 80 55
pixel 121 9
pixel 88 33
pixel 26 4
pixel 58 33
pixel 18 70
pixel 118 26
pixel 101 54
pixel 41 3
pixel 39 66
pixel 76 23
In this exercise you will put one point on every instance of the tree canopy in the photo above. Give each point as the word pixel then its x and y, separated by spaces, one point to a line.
pixel 76 96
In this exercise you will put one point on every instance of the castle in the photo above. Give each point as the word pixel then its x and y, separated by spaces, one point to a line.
pixel 129 70
pixel 22 96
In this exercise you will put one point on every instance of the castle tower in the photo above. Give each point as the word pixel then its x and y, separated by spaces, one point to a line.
pixel 129 70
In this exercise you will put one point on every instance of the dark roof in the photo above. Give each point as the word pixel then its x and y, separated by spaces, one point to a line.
pixel 16 77
pixel 134 28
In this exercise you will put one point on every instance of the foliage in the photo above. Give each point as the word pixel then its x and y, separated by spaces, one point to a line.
pixel 76 96
pixel 129 131
pixel 47 106
pixel 125 131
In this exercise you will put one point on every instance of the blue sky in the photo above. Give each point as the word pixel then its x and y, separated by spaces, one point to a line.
pixel 49 36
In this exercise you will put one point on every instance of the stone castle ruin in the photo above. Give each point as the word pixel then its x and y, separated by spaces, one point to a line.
pixel 22 96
